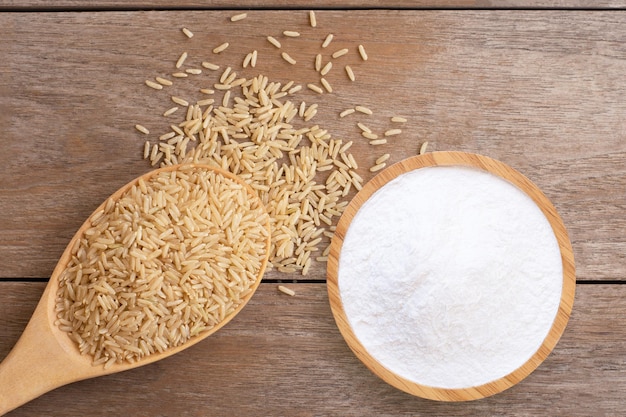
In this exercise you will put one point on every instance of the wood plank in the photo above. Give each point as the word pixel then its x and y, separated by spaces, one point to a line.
pixel 295 4
pixel 284 356
pixel 541 91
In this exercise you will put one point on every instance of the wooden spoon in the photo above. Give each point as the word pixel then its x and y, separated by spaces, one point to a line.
pixel 45 358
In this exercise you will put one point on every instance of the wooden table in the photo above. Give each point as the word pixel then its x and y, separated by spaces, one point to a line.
pixel 537 84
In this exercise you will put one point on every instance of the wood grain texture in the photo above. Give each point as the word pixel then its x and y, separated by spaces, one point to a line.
pixel 284 356
pixel 298 4
pixel 540 91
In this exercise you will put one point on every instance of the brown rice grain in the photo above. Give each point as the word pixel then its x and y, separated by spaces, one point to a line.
pixel 221 48
pixel 398 119
pixel 238 17
pixel 382 158
pixel 312 19
pixel 164 81
pixel 188 33
pixel 274 41
pixel 286 290
pixel 225 75
pixel 350 73
pixel 205 102
pixel 288 58
pixel 154 85
pixel 346 112
pixel 377 167
pixel 327 40
pixel 210 66
pixel 315 88
pixel 180 101
pixel 364 128
pixel 377 142
pixel 362 53
pixel 291 33
pixel 423 148
pixel 146 150
pixel 167 136
pixel 193 71
pixel 326 68
pixel 340 53
pixel 369 135
pixel 295 89
pixel 393 132
pixel 363 109
pixel 318 62
pixel 142 129
pixel 181 60
pixel 180 75
pixel 253 61
pixel 326 85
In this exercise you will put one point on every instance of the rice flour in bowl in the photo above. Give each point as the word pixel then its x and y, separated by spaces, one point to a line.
pixel 451 276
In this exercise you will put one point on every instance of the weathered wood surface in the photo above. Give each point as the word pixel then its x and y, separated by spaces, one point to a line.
pixel 284 356
pixel 298 4
pixel 541 91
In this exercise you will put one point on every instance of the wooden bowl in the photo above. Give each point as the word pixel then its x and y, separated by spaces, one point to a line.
pixel 568 285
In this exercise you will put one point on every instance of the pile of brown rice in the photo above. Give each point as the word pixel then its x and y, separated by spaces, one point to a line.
pixel 172 258
pixel 259 129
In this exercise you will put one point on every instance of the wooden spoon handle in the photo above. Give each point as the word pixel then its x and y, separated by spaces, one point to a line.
pixel 36 364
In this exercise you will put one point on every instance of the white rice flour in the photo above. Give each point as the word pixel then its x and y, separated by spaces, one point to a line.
pixel 450 277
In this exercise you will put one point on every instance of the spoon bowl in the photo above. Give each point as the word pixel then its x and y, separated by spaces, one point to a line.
pixel 45 358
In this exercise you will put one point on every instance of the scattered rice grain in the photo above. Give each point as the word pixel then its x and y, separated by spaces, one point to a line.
pixel 364 128
pixel 382 158
pixel 340 53
pixel 327 40
pixel 193 71
pixel 286 290
pixel 393 132
pixel 238 17
pixel 326 84
pixel 221 48
pixel 255 55
pixel 181 60
pixel 210 66
pixel 377 142
pixel 346 112
pixel 180 75
pixel 363 110
pixel 154 85
pixel 274 41
pixel 377 167
pixel 188 33
pixel 362 53
pixel 398 119
pixel 291 33
pixel 350 73
pixel 315 88
pixel 423 148
pixel 288 58
pixel 170 111
pixel 164 81
pixel 312 19
pixel 180 101
pixel 326 68
pixel 142 129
